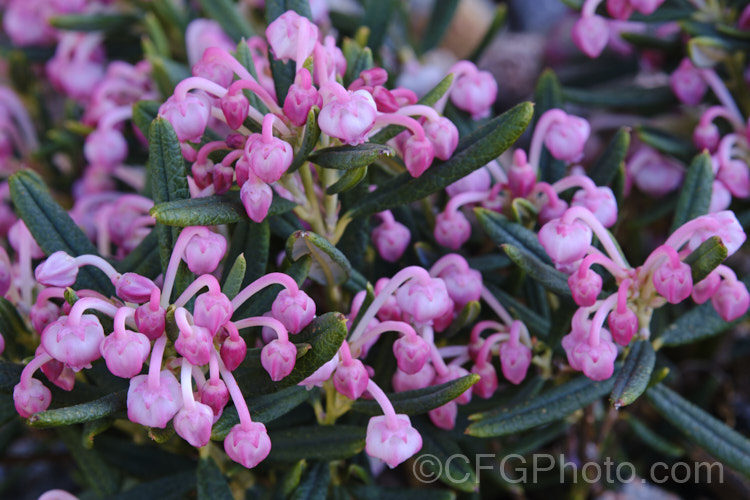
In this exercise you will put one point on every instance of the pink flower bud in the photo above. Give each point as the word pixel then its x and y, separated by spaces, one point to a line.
pixel 619 9
pixel 189 117
pixel 623 325
pixel 394 444
pixel 646 7
pixel 475 93
pixel 202 34
pixel 736 177
pixel 390 310
pixel 444 416
pixel 132 287
pixel 6 276
pixel 348 119
pixel 270 160
pixel 150 322
pixel 203 174
pixel 322 374
pixel 76 346
pixel 300 98
pixel 256 197
pixel 597 362
pixel 552 209
pixel 403 381
pixel 17 232
pixel 731 300
pixel 248 444
pixel 443 135
pixel 565 243
pixel 653 173
pixel 424 299
pixel 599 201
pixel 515 359
pixel 193 424
pixel 454 372
pixel 278 358
pixel 294 310
pixel 27 24
pixel 673 281
pixel 391 239
pixel 452 229
pixel 204 252
pixel 223 177
pixel 125 353
pixel 32 398
pixel 706 288
pixel 477 181
pixel 385 100
pixel 233 352
pixel 42 314
pixel 412 352
pixel 235 108
pixel 195 344
pixel 730 231
pixel 214 393
pixel 213 68
pixel 687 83
pixel 351 380
pixel 586 288
pixel 463 286
pixel 288 32
pixel 565 139
pixel 487 384
pixel 706 136
pixel 212 311
pixel 154 406
pixel 521 175
pixel 105 147
pixel 590 34
pixel 59 270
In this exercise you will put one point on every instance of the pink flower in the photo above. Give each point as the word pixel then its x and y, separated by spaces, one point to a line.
pixel 391 239
pixel 424 299
pixel 212 310
pixel 687 83
pixel 294 310
pixel 74 345
pixel 585 287
pixel 566 138
pixel 202 34
pixel 150 321
pixel 623 325
pixel 706 288
pixel 154 406
pixel 452 229
pixel 418 155
pixel 515 359
pixel 248 444
pixel 590 34
pixel 59 270
pixel 235 108
pixel 597 362
pixel 214 393
pixel 105 147
pixel 195 344
pixel 477 181
pixel 31 398
pixel 487 384
pixel 455 372
pixel 204 252
pixel 256 197
pixel 193 424
pixel 392 442
pixel 673 280
pixel 300 98
pixel 599 201
pixel 188 116
pixel 731 300
pixel 125 353
pixel 268 160
pixel 348 116
pixel 444 416
pixel 233 352
pixel 292 36
pixel 351 379
pixel 411 352
pixel 475 93
pixel 278 358
pixel 133 287
pixel 443 135
pixel 565 243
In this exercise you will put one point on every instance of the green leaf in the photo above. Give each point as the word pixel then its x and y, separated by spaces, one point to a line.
pixel 605 169
pixel 635 374
pixel 634 99
pixel 707 51
pixel 97 474
pixel 473 151
pixel 695 195
pixel 377 16
pixel 420 400
pixel 706 258
pixel 314 484
pixel 323 442
pixel 665 142
pixel 442 449
pixel 498 21
pixel 10 374
pixel 440 19
pixel 291 479
pixel 264 409
pixel 229 17
pixel 697 324
pixel 85 412
pixel 93 428
pixel 144 259
pixel 653 439
pixel 92 22
pixel 551 405
pixel 174 487
pixel 358 59
pixel 245 57
pixel 233 282
pixel 350 157
pixel 309 140
pixel 144 112
pixel 252 240
pixel 549 277
pixel 718 439
pixel 349 180
pixel 211 210
pixel 52 227
pixel 329 265
pixel 14 329
pixel 210 481
pixel 502 231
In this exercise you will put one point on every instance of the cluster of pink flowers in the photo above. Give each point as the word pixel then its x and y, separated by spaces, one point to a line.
pixel 663 277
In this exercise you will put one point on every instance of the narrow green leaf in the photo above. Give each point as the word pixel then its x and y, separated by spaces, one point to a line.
pixel 103 407
pixel 52 227
pixel 252 240
pixel 210 482
pixel 605 168
pixel 97 474
pixel 695 194
pixel 441 445
pixel 473 151
pixel 706 258
pixel 291 479
pixel 211 210
pixel 440 19
pixel 230 19
pixel 144 259
pixel 174 487
pixel 714 436
pixel 697 324
pixel 653 439
pixel 314 484
pixel 498 21
pixel 502 231
pixel 358 59
pixel 350 157
pixel 377 18
pixel 329 265
pixel 635 374
pixel 309 140
pixel 323 442
pixel 14 330
pixel 547 94
pixel 92 22
pixel 549 277
pixel 10 374
pixel 233 283
pixel 264 409
pixel 420 400
pixel 551 405
pixel 665 142
pixel 350 179
pixel 634 99
pixel 93 428
pixel 144 112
